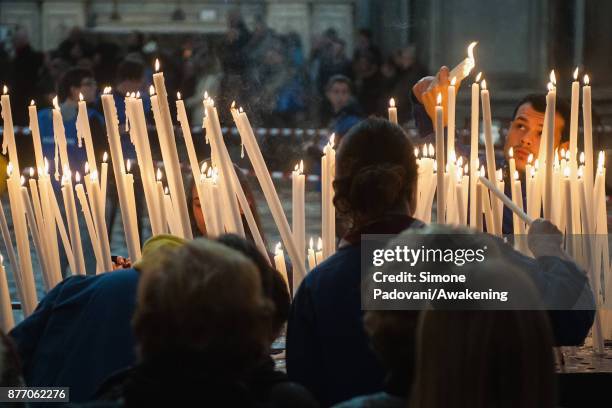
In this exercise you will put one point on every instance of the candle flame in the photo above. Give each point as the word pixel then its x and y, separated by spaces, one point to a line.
pixel 311 244
pixel 470 50
pixel 77 177
pixel 581 160
pixel 86 167
pixel 166 191
pixel 55 104
pixel 22 179
pixel 319 244
pixel 550 86
pixel 80 97
pixel 46 165
pixel 209 172
pixel 478 77
pixel 511 152
pixel 576 74
pixel 466 168
pixel 586 79
pixel 536 165
pixel 499 174
pixel 332 139
pixel 460 161
pixel 156 64
pixel 203 168
pixel 233 104
pixel 530 158
pixel 151 90
pixel 128 165
pixel 482 171
pixel 601 158
pixel 31 171
pixel 178 95
pixel 278 249
pixel 563 153
pixel 453 81
pixel 105 157
pixel 205 94
pixel 432 150
pixel 553 79
pixel 435 166
pixel 416 152
pixel 159 174
pixel 516 174
pixel 107 90
pixel 5 90
pixel 301 166
pixel 32 103
pixel 240 110
pixel 392 103
pixel 93 176
pixel 9 169
pixel 138 94
pixel 483 84
pixel 439 99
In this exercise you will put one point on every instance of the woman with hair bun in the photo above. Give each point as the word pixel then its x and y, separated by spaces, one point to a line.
pixel 375 186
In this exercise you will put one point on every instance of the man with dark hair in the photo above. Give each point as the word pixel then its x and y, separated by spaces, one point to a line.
pixel 524 132
pixel 346 111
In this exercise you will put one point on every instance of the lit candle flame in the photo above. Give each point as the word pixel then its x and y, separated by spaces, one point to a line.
pixel 567 155
pixel 530 158
pixel 159 174
pixel 80 97
pixel 233 103
pixel 9 169
pixel 22 179
pixel 516 174
pixel 203 168
pixel 46 165
pixel 536 165
pixel 319 244
pixel 107 90
pixel 483 84
pixel 511 153
pixel 32 103
pixel 311 244
pixel 278 249
pixel 105 157
pixel 128 165
pixel 499 174
pixel 550 86
pixel 166 191
pixel 77 177
pixel 240 110
pixel 55 104
pixel 601 158
pixel 533 173
pixel 586 79
pixel 205 94
pixel 478 77
pixel 151 90
pixel 562 153
pixel 301 166
pixel 392 103
pixel 138 94
pixel 581 158
pixel 460 161
pixel 178 95
pixel 470 50
pixel 553 79
pixel 86 167
pixel 466 168
pixel 31 171
pixel 439 99
pixel 332 138
pixel 453 81
pixel 432 150
pixel 482 171
pixel 416 152
pixel 156 64
pixel 5 90
pixel 576 74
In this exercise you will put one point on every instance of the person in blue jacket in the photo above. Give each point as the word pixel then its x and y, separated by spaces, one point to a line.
pixel 80 333
pixel 376 173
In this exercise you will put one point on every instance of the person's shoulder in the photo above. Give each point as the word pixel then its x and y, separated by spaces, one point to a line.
pixel 291 394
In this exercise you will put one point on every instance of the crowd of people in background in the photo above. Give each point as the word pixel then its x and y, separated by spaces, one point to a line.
pixel 267 72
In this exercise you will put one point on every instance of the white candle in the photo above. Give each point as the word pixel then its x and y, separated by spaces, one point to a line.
pixel 170 213
pixel 46 201
pixel 517 199
pixel 328 211
pixel 460 202
pixel 392 111
pixel 450 131
pixel 490 152
pixel 474 136
pixel 129 185
pixel 312 263
pixel 100 223
pixel 573 147
pixel 38 246
pixel 500 194
pixel 91 229
pixel 588 138
pixel 299 214
pixel 279 263
pixel 103 182
pixel 170 154
pixel 73 223
pixel 441 199
pixel 84 133
pixel 54 275
pixel 7 321
pixel 160 202
pixel 265 181
pixel 551 98
pixel 112 128
pixel 36 141
pixel 319 253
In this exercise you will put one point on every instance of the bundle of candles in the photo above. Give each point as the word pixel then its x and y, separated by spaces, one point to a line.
pixel 561 184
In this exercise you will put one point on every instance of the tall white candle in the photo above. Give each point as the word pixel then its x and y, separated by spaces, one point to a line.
pixel 474 136
pixel 551 98
pixel 587 115
pixel 73 223
pixel 279 263
pixel 328 211
pixel 170 154
pixel 299 215
pixel 7 321
pixel 91 229
pixel 84 133
pixel 573 146
pixel 38 246
pixel 312 263
pixel 439 128
pixel 494 228
pixel 36 141
pixel 450 131
pixel 392 111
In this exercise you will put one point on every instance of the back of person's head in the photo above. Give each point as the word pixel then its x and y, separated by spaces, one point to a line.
pixel 538 103
pixel 476 356
pixel 376 171
pixel 273 284
pixel 205 302
pixel 10 368
pixel 130 70
pixel 72 78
